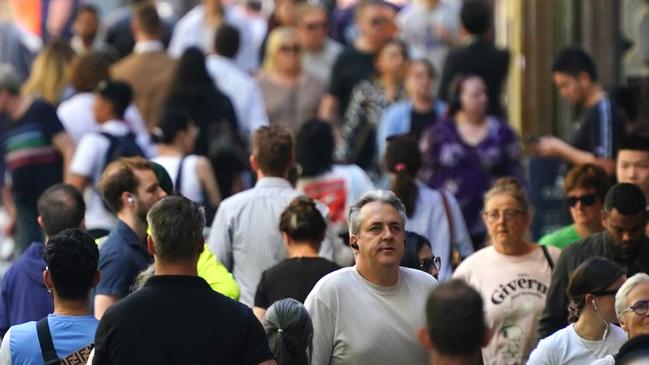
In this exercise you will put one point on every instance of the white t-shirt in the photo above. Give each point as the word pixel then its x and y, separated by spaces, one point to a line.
pixel 88 161
pixel 357 322
pixel 514 290
pixel 191 186
pixel 565 347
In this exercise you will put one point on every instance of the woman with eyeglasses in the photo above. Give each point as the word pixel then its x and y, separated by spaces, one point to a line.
pixel 586 186
pixel 512 274
pixel 291 95
pixel 417 254
pixel 632 308
pixel 591 334
pixel 434 214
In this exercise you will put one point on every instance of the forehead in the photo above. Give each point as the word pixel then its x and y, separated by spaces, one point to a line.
pixel 617 219
pixel 145 177
pixel 372 10
pixel 378 212
pixel 632 156
pixel 312 15
pixel 639 292
pixel 502 200
pixel 473 84
pixel 582 190
pixel 563 78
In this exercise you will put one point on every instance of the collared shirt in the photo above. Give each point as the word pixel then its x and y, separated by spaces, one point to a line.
pixel 121 257
pixel 242 89
pixel 245 236
pixel 148 47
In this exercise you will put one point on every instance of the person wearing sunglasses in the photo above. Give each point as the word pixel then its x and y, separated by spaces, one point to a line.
pixel 320 51
pixel 417 254
pixel 591 334
pixel 632 308
pixel 585 186
pixel 623 241
pixel 512 274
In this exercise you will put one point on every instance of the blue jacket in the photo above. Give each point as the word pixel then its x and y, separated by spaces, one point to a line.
pixel 23 296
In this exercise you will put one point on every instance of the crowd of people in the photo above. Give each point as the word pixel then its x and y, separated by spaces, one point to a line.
pixel 310 183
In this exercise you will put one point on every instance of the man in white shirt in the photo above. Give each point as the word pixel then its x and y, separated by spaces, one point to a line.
pixel 371 313
pixel 238 85
pixel 197 28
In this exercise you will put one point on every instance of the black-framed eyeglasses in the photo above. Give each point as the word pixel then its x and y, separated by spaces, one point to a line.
pixel 641 307
pixel 427 264
pixel 587 200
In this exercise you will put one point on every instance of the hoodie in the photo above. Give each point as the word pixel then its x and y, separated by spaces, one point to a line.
pixel 23 295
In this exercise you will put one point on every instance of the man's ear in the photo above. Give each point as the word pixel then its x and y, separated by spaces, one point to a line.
pixel 149 245
pixel 39 220
pixel 424 338
pixel 603 217
pixel 254 164
pixel 47 279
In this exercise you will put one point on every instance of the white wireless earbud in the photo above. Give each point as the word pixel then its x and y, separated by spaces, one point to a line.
pixel 130 200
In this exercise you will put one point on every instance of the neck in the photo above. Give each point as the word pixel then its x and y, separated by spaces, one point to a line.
pixel 422 104
pixel 134 223
pixel 362 44
pixel 175 268
pixel 170 150
pixel 87 41
pixel 315 48
pixel 585 230
pixel 262 175
pixel 68 307
pixel 589 326
pixel 514 249
pixel 301 249
pixel 288 74
pixel 594 95
pixel 146 38
pixel 383 276
pixel 470 118
pixel 439 359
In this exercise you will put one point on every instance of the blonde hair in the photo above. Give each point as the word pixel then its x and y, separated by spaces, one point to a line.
pixel 511 187
pixel 50 71
pixel 278 36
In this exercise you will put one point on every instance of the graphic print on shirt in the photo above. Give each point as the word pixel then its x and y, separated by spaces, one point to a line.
pixel 517 300
pixel 333 194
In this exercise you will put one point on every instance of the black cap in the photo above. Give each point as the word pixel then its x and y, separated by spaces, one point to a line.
pixel 634 349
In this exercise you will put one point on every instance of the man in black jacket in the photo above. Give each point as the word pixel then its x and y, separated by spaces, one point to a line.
pixel 623 241
pixel 479 57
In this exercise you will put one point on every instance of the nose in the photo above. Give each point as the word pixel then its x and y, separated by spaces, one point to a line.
pixel 626 236
pixel 161 193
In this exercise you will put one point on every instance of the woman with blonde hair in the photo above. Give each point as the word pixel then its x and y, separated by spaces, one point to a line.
pixel 291 95
pixel 512 274
pixel 50 76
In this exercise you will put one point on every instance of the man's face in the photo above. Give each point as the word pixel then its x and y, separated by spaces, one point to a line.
pixel 632 323
pixel 625 231
pixel 312 29
pixel 85 26
pixel 569 87
pixel 147 193
pixel 582 212
pixel 376 24
pixel 633 167
pixel 381 236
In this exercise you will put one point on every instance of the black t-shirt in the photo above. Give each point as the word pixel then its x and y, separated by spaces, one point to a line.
pixel 419 122
pixel 29 155
pixel 291 278
pixel 180 320
pixel 600 129
pixel 350 67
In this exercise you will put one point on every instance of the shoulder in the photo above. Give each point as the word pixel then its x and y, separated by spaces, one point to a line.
pixel 332 282
pixel 417 277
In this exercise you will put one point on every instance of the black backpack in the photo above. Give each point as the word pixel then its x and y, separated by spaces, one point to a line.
pixel 121 146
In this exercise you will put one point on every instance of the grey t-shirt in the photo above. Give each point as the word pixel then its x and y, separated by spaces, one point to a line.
pixel 357 322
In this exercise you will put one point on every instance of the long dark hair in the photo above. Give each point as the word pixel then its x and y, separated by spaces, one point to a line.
pixel 593 275
pixel 190 78
pixel 314 147
pixel 403 159
pixel 413 244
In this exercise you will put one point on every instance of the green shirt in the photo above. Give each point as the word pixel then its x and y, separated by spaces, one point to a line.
pixel 561 238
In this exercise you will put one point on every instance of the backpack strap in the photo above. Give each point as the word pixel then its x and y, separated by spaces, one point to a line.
pixel 45 340
pixel 546 253
pixel 112 140
pixel 179 176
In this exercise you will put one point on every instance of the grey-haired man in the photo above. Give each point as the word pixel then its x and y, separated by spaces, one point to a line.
pixel 370 313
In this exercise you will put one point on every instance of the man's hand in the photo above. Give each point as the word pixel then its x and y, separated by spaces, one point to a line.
pixel 550 146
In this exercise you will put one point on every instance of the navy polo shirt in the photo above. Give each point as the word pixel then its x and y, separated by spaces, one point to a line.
pixel 121 258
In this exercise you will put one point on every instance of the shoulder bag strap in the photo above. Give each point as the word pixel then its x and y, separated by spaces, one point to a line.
pixel 546 253
pixel 449 218
pixel 179 176
pixel 45 340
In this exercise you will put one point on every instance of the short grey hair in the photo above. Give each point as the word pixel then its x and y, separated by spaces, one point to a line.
pixel 621 302
pixel 381 196
pixel 176 225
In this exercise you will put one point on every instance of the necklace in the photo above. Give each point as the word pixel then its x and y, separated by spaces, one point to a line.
pixel 590 350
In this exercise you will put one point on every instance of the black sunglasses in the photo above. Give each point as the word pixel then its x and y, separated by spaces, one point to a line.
pixel 587 200
pixel 427 264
